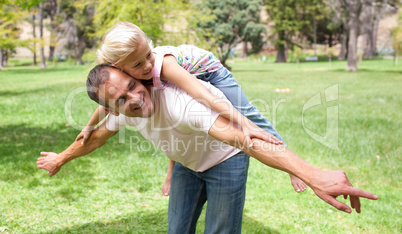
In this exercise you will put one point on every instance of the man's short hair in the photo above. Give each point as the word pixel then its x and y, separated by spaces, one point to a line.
pixel 97 77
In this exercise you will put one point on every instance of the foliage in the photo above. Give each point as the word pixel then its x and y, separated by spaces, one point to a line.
pixel 397 33
pixel 291 17
pixel 328 28
pixel 32 44
pixel 397 37
pixel 296 53
pixel 230 22
pixel 9 17
pixel 151 16
pixel 253 32
pixel 25 4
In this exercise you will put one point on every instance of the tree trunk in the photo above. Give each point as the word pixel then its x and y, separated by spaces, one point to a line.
pixel 344 45
pixel 330 40
pixel 367 24
pixel 223 56
pixel 352 49
pixel 42 49
pixel 53 12
pixel 244 51
pixel 354 9
pixel 79 60
pixel 5 57
pixel 34 43
pixel 1 59
pixel 51 51
pixel 280 55
pixel 81 49
pixel 368 50
pixel 375 33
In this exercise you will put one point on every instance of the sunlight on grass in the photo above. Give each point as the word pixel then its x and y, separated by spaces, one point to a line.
pixel 117 189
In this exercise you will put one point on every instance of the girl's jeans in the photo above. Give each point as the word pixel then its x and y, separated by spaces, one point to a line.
pixel 225 82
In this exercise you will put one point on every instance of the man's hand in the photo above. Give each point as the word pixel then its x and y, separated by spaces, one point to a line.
pixel 52 162
pixel 49 163
pixel 328 185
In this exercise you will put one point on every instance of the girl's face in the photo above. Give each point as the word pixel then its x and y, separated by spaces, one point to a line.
pixel 140 63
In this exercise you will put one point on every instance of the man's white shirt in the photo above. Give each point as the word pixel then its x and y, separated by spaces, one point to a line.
pixel 179 128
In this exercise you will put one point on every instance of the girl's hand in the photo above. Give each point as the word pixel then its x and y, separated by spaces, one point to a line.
pixel 166 187
pixel 84 135
pixel 250 130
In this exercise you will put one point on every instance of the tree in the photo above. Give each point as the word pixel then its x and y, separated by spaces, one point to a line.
pixel 397 38
pixel 75 27
pixel 354 8
pixel 290 17
pixel 42 49
pixel 31 44
pixel 34 37
pixel 254 33
pixel 9 17
pixel 150 15
pixel 231 22
pixel 361 18
pixel 328 28
pixel 371 15
pixel 52 8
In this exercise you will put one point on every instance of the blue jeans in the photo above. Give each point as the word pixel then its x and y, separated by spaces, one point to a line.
pixel 225 82
pixel 224 186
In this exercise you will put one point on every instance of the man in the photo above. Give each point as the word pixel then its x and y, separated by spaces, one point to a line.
pixel 192 135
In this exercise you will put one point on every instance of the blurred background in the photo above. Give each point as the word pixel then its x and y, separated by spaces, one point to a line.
pixel 279 30
pixel 282 52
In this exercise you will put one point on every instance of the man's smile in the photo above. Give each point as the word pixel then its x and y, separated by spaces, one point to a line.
pixel 142 103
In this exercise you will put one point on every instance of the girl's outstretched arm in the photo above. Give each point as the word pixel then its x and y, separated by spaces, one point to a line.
pixel 99 114
pixel 173 72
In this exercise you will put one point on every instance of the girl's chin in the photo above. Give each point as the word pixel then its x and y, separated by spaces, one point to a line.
pixel 148 75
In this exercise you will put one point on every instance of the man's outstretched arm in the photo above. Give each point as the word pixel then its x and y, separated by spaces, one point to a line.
pixel 326 184
pixel 53 162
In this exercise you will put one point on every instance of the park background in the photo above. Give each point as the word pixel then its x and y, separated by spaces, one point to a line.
pixel 282 52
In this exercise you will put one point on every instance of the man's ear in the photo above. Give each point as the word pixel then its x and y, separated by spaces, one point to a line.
pixel 112 111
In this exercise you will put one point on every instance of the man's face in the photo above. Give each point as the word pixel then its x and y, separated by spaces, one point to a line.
pixel 125 95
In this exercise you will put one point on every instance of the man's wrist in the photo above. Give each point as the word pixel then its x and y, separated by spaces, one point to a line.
pixel 61 160
pixel 311 178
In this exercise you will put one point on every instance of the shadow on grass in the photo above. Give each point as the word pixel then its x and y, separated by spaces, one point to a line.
pixel 251 70
pixel 20 146
pixel 367 70
pixel 150 222
pixel 30 70
pixel 18 143
pixel 9 93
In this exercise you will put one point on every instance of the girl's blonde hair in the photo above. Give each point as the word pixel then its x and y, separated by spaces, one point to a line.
pixel 120 41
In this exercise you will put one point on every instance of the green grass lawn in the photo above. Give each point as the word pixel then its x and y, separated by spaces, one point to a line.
pixel 117 189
